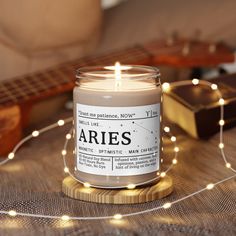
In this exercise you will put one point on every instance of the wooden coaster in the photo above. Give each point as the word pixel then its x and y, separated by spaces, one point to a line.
pixel 76 190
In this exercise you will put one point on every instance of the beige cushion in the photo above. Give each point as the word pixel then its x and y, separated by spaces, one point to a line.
pixel 38 34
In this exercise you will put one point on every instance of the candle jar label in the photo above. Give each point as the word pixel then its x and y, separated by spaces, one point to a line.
pixel 118 141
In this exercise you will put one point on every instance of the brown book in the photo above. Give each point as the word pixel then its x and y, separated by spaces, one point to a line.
pixel 196 109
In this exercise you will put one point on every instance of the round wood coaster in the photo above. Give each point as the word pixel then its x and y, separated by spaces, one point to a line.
pixel 76 190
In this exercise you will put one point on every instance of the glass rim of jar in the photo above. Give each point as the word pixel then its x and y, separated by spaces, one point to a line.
pixel 137 72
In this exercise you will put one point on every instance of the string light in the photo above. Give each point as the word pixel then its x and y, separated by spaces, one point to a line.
pixel 165 87
pixel 11 155
pixel 221 122
pixel 162 174
pixel 12 213
pixel 221 145
pixel 173 138
pixel 210 186
pixel 87 185
pixel 174 161
pixel 117 216
pixel 167 205
pixel 63 152
pixel 176 149
pixel 214 87
pixel 35 133
pixel 195 81
pixel 65 217
pixel 131 186
pixel 61 122
pixel 221 101
pixel 228 165
pixel 167 129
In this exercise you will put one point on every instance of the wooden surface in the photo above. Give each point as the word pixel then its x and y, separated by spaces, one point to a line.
pixel 10 128
pixel 76 190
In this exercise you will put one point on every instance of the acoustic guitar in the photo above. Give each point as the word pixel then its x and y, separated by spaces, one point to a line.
pixel 18 95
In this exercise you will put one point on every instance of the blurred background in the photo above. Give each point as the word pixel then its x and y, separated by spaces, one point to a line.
pixel 35 35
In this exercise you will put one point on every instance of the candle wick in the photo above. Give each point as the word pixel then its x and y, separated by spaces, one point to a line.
pixel 117 75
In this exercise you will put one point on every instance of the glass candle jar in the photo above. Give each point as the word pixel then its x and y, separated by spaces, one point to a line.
pixel 117 118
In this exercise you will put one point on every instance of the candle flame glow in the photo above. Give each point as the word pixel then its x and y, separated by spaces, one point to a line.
pixel 117 71
pixel 117 75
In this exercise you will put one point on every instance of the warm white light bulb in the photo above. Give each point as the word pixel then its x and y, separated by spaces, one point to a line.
pixel 174 161
pixel 63 152
pixel 173 138
pixel 68 136
pixel 131 186
pixel 65 217
pixel 87 185
pixel 214 87
pixel 66 170
pixel 167 129
pixel 195 81
pixel 117 216
pixel 163 174
pixel 61 122
pixel 221 101
pixel 221 122
pixel 167 205
pixel 12 213
pixel 165 87
pixel 221 145
pixel 210 186
pixel 11 155
pixel 228 165
pixel 35 133
pixel 176 149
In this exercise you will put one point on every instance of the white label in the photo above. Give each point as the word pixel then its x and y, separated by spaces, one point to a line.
pixel 118 141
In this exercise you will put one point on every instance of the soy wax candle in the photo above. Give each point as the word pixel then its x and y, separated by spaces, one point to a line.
pixel 117 118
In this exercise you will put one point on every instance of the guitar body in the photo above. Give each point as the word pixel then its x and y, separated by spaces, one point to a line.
pixel 10 128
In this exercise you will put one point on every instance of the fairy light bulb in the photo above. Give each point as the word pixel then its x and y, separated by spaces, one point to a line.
pixel 228 165
pixel 165 87
pixel 163 174
pixel 210 186
pixel 63 152
pixel 131 186
pixel 35 133
pixel 214 87
pixel 65 217
pixel 221 101
pixel 176 149
pixel 61 122
pixel 68 136
pixel 11 155
pixel 117 216
pixel 221 145
pixel 174 161
pixel 173 138
pixel 167 205
pixel 66 170
pixel 87 185
pixel 12 213
pixel 167 129
pixel 221 122
pixel 195 81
